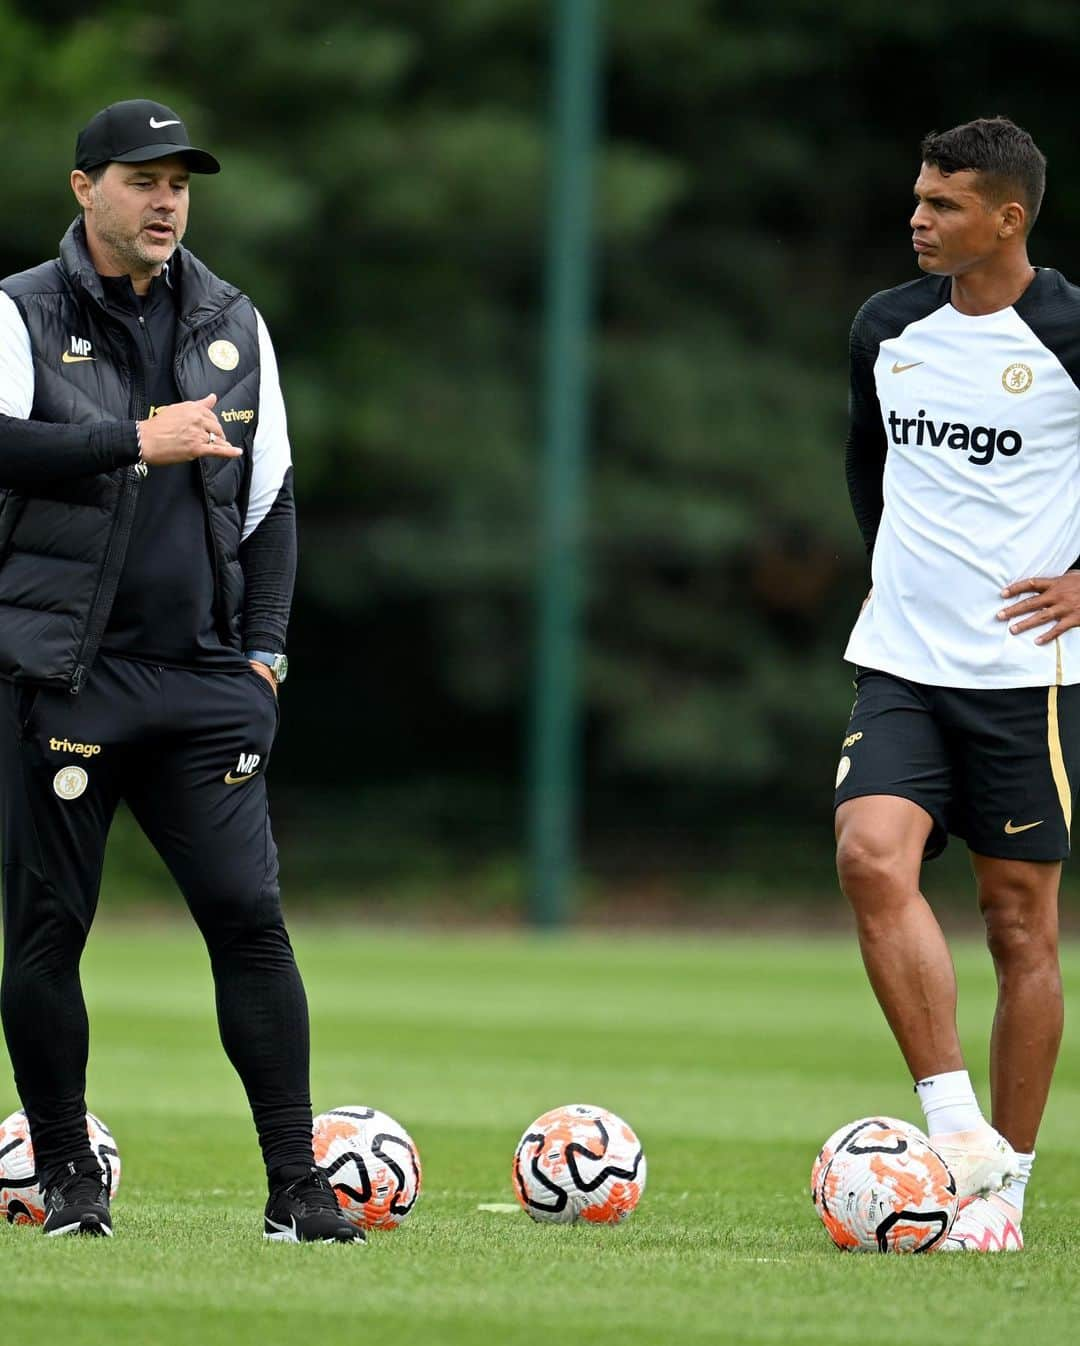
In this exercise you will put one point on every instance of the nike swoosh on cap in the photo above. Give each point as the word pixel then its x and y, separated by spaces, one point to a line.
pixel 158 125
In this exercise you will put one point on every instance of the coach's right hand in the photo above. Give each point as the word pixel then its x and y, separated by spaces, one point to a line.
pixel 183 431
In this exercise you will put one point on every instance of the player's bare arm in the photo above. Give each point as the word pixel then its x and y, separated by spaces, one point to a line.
pixel 1053 599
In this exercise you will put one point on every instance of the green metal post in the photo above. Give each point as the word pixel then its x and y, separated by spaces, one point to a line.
pixel 554 747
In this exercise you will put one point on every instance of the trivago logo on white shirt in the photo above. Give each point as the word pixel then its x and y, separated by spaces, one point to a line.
pixel 979 442
pixel 981 487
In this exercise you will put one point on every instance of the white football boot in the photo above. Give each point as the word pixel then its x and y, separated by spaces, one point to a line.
pixel 981 1161
pixel 985 1225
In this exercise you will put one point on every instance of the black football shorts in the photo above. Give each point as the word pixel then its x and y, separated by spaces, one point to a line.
pixel 996 767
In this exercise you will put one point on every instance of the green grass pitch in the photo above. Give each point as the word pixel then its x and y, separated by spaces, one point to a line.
pixel 732 1057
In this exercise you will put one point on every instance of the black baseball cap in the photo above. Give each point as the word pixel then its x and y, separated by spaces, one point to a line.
pixel 135 131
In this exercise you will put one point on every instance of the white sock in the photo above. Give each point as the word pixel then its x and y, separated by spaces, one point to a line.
pixel 1013 1192
pixel 949 1103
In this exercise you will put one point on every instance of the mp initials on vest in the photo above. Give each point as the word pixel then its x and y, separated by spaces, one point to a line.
pixel 983 441
pixel 80 350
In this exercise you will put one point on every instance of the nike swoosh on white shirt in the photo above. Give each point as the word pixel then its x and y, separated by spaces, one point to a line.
pixel 158 125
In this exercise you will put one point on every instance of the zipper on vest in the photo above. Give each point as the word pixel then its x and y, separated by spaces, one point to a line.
pixel 146 336
pixel 110 576
pixel 218 597
pixel 214 562
pixel 117 546
pixel 140 467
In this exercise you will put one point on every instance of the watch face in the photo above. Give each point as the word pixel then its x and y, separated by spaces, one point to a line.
pixel 280 667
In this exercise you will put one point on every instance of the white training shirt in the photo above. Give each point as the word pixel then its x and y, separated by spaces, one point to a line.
pixel 981 418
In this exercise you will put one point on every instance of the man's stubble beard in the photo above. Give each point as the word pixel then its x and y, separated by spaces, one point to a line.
pixel 126 249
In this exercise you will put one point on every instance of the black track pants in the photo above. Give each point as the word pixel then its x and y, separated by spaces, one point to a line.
pixel 186 751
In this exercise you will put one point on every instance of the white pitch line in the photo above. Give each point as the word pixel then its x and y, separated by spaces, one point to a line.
pixel 762 1259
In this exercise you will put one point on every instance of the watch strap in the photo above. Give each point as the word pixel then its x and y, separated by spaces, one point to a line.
pixel 277 663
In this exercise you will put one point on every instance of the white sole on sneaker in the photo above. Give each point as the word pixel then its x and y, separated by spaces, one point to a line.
pixel 289 1234
pixel 94 1230
pixel 287 1238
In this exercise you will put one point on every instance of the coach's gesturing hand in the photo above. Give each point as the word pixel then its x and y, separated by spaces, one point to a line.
pixel 1054 599
pixel 183 431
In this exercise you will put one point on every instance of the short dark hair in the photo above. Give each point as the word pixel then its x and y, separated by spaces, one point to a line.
pixel 1011 166
pixel 96 173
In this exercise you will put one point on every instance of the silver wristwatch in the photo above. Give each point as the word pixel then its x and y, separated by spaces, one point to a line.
pixel 278 664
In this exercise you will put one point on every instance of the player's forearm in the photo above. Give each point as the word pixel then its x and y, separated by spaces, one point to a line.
pixel 268 560
pixel 864 465
pixel 36 454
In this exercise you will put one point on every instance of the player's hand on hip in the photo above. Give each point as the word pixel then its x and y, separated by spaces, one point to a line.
pixel 264 672
pixel 183 431
pixel 1052 599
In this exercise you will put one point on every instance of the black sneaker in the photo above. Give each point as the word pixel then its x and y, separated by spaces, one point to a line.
pixel 78 1203
pixel 307 1211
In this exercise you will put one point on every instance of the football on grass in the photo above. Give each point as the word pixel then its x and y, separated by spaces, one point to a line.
pixel 372 1163
pixel 880 1186
pixel 579 1162
pixel 838 1137
pixel 21 1198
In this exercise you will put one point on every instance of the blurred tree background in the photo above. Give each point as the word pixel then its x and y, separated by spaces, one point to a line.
pixel 383 200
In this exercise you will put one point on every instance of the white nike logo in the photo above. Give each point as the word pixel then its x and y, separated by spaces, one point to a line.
pixel 286 1232
pixel 158 125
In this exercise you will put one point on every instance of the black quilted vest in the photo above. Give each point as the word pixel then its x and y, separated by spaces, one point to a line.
pixel 62 549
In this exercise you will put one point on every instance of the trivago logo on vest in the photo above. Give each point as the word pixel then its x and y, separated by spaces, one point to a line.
pixel 979 442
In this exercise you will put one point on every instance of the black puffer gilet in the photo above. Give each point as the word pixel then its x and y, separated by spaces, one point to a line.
pixel 62 549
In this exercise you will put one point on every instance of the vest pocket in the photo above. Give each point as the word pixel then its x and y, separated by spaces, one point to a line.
pixel 11 508
pixel 26 697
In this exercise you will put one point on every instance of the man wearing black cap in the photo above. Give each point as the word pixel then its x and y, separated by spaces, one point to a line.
pixel 147 558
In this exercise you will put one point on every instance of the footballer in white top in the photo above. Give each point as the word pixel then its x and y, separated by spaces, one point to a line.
pixel 980 418
pixel 963 466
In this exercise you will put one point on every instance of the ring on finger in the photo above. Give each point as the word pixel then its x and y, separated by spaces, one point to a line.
pixel 210 437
